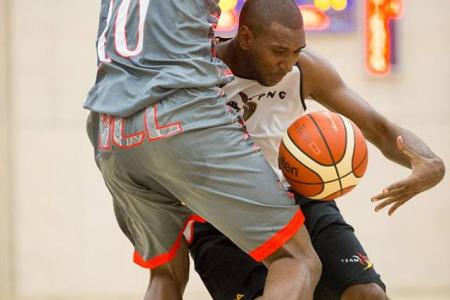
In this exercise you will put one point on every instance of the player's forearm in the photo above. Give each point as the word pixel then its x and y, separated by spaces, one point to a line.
pixel 388 147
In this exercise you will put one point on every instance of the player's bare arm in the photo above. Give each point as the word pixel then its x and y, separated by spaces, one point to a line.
pixel 323 84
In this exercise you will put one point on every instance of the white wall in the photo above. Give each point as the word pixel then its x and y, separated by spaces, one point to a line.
pixel 5 250
pixel 66 241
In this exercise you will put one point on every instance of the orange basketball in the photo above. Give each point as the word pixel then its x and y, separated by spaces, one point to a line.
pixel 323 155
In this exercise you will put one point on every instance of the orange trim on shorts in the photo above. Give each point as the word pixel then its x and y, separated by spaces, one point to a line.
pixel 280 238
pixel 168 256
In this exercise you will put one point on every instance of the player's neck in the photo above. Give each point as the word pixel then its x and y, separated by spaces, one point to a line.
pixel 235 58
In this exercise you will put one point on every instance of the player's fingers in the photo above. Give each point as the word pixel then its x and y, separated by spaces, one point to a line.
pixel 402 184
pixel 397 205
pixel 391 200
pixel 400 192
pixel 389 192
pixel 384 203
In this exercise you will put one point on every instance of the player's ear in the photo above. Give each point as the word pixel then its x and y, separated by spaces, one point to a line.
pixel 245 37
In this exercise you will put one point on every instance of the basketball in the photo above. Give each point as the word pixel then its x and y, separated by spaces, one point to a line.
pixel 323 155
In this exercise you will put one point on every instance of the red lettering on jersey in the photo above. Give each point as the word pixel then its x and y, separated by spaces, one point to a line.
pixel 155 131
pixel 104 132
pixel 125 141
pixel 113 128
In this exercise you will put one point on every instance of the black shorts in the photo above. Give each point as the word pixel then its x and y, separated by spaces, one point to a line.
pixel 228 272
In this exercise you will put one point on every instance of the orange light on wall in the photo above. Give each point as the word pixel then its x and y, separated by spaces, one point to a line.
pixel 314 18
pixel 228 20
pixel 379 14
pixel 229 17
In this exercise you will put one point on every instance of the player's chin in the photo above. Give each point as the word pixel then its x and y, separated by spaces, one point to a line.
pixel 269 81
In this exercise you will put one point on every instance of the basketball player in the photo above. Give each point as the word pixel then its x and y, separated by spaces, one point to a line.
pixel 161 132
pixel 274 76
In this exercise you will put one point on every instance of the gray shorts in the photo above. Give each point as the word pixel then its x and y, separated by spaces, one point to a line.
pixel 189 158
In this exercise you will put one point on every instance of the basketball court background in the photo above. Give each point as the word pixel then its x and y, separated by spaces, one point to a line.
pixel 58 235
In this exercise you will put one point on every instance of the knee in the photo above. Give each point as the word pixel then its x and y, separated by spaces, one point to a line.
pixel 298 251
pixel 177 276
pixel 173 275
pixel 163 277
pixel 310 261
pixel 305 254
pixel 370 291
pixel 315 264
pixel 166 283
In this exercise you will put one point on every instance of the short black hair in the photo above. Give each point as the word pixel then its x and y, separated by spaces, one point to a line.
pixel 258 15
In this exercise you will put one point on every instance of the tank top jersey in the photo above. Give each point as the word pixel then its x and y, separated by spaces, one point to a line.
pixel 268 111
pixel 149 48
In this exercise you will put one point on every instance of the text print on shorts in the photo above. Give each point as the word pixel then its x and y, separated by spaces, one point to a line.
pixel 112 129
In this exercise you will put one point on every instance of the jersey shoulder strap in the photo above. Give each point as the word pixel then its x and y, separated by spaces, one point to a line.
pixel 302 98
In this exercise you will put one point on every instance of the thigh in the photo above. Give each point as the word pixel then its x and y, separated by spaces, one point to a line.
pixel 344 260
pixel 227 271
pixel 218 172
pixel 190 147
pixel 150 216
pixel 169 281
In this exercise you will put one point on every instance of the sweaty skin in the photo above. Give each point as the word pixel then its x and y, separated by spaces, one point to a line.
pixel 268 56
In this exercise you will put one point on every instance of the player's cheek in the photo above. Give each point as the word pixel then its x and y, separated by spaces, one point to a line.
pixel 271 62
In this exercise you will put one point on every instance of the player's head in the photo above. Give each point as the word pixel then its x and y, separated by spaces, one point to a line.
pixel 272 34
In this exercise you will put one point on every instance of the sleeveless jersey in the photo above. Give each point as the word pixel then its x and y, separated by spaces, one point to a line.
pixel 268 111
pixel 149 48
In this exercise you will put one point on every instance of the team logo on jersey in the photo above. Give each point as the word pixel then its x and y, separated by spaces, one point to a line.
pixel 239 297
pixel 249 103
pixel 359 258
pixel 249 106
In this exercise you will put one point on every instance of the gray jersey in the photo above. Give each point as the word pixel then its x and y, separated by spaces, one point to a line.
pixel 149 48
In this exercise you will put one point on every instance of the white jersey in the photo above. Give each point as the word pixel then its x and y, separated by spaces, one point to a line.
pixel 268 111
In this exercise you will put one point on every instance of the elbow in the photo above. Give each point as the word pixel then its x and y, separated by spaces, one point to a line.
pixel 439 167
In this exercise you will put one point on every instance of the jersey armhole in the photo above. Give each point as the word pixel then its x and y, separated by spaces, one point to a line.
pixel 302 98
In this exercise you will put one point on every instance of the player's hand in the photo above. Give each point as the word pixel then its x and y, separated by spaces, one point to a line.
pixel 426 173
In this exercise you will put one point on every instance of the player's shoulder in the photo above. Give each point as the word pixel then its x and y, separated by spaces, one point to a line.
pixel 315 69
pixel 311 62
